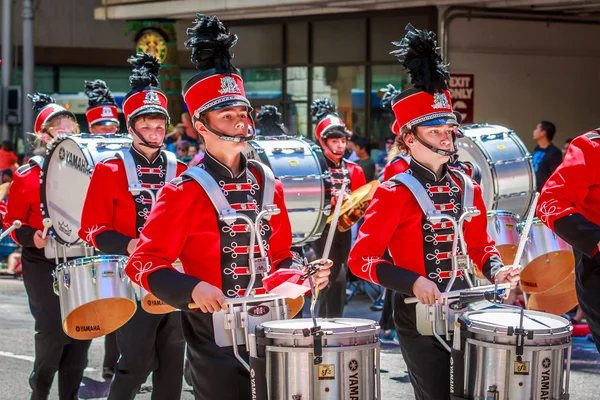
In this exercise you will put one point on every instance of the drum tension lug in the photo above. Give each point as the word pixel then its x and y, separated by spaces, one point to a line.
pixel 317 333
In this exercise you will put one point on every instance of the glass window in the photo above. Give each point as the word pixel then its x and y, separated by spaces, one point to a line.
pixel 381 76
pixel 345 85
pixel 297 119
pixel 340 41
pixel 262 86
pixel 385 30
pixel 297 43
pixel 43 76
pixel 297 83
pixel 72 79
pixel 257 45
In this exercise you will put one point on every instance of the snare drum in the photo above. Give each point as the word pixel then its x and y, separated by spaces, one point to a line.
pixel 350 367
pixel 301 167
pixel 502 227
pixel 491 359
pixel 96 296
pixel 66 176
pixel 548 259
pixel 507 176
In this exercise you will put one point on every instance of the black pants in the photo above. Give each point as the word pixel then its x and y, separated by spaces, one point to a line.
pixel 587 284
pixel 332 299
pixel 54 350
pixel 387 314
pixel 111 350
pixel 149 343
pixel 427 361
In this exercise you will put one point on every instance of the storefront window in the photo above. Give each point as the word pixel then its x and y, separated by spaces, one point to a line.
pixel 43 76
pixel 72 79
pixel 345 85
pixel 381 76
pixel 297 101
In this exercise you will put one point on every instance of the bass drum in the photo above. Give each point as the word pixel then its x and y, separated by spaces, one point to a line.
pixel 66 176
pixel 507 176
pixel 300 165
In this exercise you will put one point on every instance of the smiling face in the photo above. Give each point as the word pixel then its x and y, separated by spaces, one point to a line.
pixel 231 121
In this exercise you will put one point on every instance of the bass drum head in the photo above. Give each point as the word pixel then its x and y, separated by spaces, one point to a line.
pixel 507 176
pixel 65 179
pixel 300 165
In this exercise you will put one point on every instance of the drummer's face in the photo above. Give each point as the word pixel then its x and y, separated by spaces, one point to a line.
pixel 439 136
pixel 151 129
pixel 335 147
pixel 231 121
pixel 104 129
pixel 61 126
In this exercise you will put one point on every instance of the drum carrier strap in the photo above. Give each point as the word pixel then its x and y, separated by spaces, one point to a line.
pixel 37 161
pixel 216 196
pixel 131 172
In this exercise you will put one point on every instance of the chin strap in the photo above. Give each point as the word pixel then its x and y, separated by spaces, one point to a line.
pixel 435 149
pixel 226 137
pixel 144 141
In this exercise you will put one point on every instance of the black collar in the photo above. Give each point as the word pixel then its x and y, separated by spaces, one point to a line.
pixel 141 159
pixel 425 172
pixel 333 164
pixel 218 167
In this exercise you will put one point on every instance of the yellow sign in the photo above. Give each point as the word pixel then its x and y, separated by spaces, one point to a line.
pixel 326 372
pixel 293 163
pixel 152 42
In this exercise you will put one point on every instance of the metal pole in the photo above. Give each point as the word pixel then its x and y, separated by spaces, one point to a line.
pixel 6 60
pixel 28 69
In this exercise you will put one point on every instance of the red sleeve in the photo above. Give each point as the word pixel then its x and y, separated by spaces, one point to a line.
pixel 22 196
pixel 381 220
pixel 98 209
pixel 480 246
pixel 357 176
pixel 166 230
pixel 394 169
pixel 181 168
pixel 567 188
pixel 281 237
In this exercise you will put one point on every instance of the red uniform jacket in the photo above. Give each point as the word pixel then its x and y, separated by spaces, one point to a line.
pixel 111 215
pixel 570 201
pixel 396 165
pixel 184 225
pixel 345 169
pixel 395 221
pixel 24 205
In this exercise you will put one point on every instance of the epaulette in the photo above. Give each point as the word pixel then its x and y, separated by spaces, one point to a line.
pixel 182 163
pixel 350 162
pixel 392 182
pixel 179 180
pixel 35 161
pixel 399 157
pixel 109 158
pixel 25 168
pixel 594 135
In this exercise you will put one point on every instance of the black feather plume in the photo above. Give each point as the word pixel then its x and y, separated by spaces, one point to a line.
pixel 319 109
pixel 389 92
pixel 98 93
pixel 146 69
pixel 269 119
pixel 211 43
pixel 40 100
pixel 418 53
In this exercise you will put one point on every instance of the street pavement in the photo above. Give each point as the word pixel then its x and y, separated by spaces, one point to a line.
pixel 16 356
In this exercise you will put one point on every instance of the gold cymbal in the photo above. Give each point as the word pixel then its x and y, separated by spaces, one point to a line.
pixel 354 207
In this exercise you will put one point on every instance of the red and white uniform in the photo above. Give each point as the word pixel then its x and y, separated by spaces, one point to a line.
pixel 345 169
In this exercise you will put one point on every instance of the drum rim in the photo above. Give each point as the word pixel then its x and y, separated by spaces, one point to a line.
pixel 496 330
pixel 104 258
pixel 359 329
pixel 502 213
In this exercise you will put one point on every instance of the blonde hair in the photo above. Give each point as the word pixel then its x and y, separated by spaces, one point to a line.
pixel 49 125
pixel 399 145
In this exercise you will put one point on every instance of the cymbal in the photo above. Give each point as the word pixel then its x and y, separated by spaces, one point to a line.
pixel 357 197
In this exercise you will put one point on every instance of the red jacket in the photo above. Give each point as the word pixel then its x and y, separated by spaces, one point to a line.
pixel 110 216
pixel 396 165
pixel 184 225
pixel 24 205
pixel 395 221
pixel 569 202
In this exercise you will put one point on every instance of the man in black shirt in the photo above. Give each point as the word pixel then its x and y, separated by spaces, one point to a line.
pixel 546 156
pixel 363 149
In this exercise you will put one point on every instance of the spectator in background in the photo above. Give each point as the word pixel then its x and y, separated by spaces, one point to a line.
pixel 349 153
pixel 363 149
pixel 566 146
pixel 8 158
pixel 200 154
pixel 183 150
pixel 189 133
pixel 382 157
pixel 546 156
pixel 174 137
pixel 192 151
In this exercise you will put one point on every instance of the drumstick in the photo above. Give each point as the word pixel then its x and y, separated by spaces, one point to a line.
pixel 526 229
pixel 16 225
pixel 47 222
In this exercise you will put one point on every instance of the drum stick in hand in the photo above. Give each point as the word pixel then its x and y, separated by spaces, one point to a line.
pixel 526 229
pixel 47 222
pixel 16 225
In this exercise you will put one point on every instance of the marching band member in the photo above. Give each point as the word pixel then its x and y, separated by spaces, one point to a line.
pixel 269 121
pixel 568 205
pixel 102 114
pixel 332 135
pixel 184 223
pixel 420 250
pixel 397 161
pixel 54 350
pixel 112 220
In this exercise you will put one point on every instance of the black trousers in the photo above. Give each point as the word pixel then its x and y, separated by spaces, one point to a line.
pixel 332 299
pixel 587 284
pixel 54 350
pixel 427 361
pixel 111 350
pixel 149 343
pixel 387 314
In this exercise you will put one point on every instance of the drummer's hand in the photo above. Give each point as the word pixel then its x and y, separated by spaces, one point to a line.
pixel 131 245
pixel 38 241
pixel 209 298
pixel 426 291
pixel 334 198
pixel 321 277
pixel 509 274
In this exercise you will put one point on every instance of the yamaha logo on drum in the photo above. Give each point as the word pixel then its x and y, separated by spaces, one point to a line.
pixel 353 381
pixel 87 328
pixel 72 160
pixel 61 153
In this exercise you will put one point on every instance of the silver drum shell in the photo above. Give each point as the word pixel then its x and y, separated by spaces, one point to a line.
pixel 350 367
